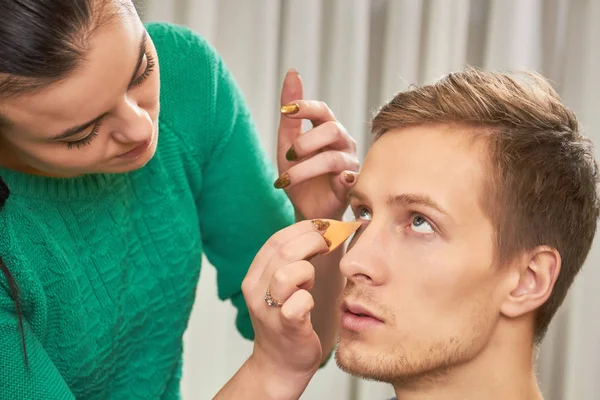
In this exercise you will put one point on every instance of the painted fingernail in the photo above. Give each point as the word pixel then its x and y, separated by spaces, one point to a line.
pixel 320 224
pixel 290 109
pixel 291 154
pixel 283 181
pixel 349 177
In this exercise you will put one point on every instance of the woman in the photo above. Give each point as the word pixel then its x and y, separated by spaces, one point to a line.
pixel 102 235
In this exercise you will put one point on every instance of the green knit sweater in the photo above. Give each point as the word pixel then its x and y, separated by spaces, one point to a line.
pixel 107 265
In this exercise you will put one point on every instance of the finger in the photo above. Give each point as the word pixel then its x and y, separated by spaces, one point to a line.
pixel 341 186
pixel 292 89
pixel 318 112
pixel 274 244
pixel 290 278
pixel 289 128
pixel 295 312
pixel 331 135
pixel 300 248
pixel 327 162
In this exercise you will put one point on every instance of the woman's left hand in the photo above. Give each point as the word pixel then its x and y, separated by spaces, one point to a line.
pixel 316 168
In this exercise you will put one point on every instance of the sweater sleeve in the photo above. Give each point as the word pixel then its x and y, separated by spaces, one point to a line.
pixel 238 205
pixel 40 379
pixel 227 169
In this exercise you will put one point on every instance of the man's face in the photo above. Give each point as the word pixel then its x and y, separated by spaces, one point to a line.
pixel 422 263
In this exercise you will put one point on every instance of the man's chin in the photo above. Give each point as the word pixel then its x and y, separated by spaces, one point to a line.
pixel 390 364
pixel 372 363
pixel 359 360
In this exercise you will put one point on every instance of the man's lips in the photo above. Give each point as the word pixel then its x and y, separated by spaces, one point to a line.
pixel 356 317
pixel 358 309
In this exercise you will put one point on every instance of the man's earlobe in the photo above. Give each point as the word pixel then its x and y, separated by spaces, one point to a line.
pixel 537 275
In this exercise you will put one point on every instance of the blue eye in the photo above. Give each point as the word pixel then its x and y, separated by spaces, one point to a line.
pixel 420 225
pixel 363 213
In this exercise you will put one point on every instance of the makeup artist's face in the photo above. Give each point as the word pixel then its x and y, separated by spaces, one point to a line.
pixel 422 263
pixel 101 118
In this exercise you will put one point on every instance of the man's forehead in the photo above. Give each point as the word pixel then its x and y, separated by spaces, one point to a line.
pixel 434 144
pixel 437 160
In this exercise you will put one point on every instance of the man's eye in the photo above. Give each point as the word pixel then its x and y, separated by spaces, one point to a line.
pixel 419 224
pixel 363 214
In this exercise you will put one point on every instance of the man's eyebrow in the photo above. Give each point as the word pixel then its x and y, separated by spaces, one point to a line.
pixel 413 198
pixel 355 193
pixel 67 133
pixel 403 200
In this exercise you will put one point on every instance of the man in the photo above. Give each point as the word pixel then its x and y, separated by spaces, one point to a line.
pixel 479 205
pixel 479 201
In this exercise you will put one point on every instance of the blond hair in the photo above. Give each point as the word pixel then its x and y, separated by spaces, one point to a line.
pixel 543 176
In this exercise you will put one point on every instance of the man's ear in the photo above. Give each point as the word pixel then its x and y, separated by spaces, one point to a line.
pixel 534 278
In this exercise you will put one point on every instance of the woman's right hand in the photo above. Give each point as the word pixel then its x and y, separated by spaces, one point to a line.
pixel 287 351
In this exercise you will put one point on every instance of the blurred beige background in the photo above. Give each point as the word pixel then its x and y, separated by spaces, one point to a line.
pixel 355 54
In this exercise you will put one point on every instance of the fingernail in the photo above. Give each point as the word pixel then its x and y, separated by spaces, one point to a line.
pixel 290 109
pixel 349 177
pixel 291 154
pixel 293 70
pixel 282 182
pixel 320 224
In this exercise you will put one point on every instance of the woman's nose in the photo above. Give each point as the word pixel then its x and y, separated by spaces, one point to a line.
pixel 134 123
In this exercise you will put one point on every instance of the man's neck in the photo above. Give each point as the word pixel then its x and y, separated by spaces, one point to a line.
pixel 502 370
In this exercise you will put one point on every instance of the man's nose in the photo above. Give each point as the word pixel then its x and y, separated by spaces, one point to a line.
pixel 363 260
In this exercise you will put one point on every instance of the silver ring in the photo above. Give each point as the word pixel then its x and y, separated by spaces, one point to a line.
pixel 271 302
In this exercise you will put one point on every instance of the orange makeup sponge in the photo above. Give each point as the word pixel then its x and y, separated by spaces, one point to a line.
pixel 338 232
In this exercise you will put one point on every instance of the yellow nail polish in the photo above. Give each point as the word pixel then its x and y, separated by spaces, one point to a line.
pixel 282 182
pixel 290 109
pixel 320 224
pixel 291 154
pixel 349 177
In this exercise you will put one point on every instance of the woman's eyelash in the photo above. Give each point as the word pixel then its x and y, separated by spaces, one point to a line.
pixel 149 68
pixel 86 140
pixel 138 81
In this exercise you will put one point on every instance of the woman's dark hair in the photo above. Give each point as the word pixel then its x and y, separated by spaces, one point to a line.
pixel 41 42
pixel 12 283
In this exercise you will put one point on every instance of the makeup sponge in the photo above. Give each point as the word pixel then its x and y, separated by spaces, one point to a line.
pixel 338 232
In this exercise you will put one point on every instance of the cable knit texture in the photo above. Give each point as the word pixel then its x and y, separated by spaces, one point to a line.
pixel 107 265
